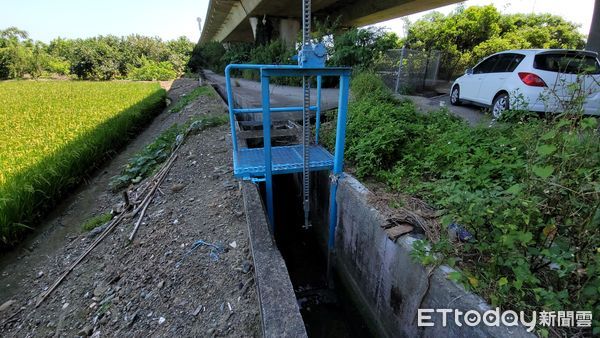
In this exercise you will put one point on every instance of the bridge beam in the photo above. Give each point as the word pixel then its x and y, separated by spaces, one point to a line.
pixel 362 13
pixel 237 15
pixel 228 20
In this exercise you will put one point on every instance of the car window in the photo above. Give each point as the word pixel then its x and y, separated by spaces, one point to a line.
pixel 515 62
pixel 570 62
pixel 486 65
pixel 507 63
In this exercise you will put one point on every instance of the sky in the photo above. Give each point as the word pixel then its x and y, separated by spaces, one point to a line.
pixel 577 11
pixel 48 19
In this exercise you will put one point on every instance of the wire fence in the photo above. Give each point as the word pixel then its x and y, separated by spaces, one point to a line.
pixel 408 71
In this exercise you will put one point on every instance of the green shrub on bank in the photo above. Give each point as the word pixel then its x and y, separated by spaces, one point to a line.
pixel 153 71
pixel 370 85
pixel 528 192
pixel 145 162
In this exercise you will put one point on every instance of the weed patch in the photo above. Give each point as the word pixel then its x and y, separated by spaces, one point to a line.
pixel 194 94
pixel 145 162
pixel 96 221
pixel 528 192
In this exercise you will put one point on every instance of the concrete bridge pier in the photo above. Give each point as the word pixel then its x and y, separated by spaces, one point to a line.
pixel 288 30
pixel 267 28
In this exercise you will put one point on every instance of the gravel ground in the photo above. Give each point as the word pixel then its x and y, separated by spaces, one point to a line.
pixel 157 285
pixel 472 114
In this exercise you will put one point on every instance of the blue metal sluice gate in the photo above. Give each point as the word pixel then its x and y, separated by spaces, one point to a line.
pixel 262 163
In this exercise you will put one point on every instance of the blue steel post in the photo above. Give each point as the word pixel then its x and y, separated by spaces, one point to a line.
pixel 318 117
pixel 266 116
pixel 338 160
pixel 231 107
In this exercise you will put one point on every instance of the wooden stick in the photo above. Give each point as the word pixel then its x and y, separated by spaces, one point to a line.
pixel 139 221
pixel 12 317
pixel 115 221
pixel 158 174
pixel 105 233
pixel 150 195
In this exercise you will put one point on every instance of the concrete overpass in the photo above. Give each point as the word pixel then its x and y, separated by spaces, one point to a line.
pixel 243 20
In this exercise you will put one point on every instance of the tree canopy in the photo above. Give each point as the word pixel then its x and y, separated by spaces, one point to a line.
pixel 98 58
pixel 469 34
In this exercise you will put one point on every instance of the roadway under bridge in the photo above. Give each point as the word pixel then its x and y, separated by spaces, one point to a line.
pixel 249 20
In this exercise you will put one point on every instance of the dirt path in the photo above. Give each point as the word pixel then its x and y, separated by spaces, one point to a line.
pixel 156 286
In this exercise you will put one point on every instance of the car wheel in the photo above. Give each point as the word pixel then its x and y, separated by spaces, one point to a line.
pixel 455 96
pixel 499 105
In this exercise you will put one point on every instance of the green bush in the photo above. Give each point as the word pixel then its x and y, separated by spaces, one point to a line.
pixel 361 47
pixel 369 85
pixel 529 192
pixel 209 55
pixel 355 47
pixel 57 66
pixel 153 71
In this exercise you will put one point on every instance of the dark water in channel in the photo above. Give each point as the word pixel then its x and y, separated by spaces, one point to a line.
pixel 327 310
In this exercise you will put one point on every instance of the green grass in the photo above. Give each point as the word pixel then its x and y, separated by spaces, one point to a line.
pixel 194 94
pixel 96 221
pixel 52 133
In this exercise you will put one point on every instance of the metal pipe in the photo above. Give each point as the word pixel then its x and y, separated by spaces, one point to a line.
pixel 399 70
pixel 338 159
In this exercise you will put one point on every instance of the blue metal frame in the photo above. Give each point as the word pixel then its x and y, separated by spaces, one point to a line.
pixel 337 165
pixel 286 160
pixel 273 110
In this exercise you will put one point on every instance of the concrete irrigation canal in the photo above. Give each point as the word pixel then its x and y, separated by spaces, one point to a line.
pixel 205 260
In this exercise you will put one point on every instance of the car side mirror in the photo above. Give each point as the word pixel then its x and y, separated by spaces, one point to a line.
pixel 469 71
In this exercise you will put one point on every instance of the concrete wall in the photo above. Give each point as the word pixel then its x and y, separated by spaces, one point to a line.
pixel 279 311
pixel 390 286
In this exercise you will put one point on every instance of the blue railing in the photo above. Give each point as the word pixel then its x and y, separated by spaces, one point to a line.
pixel 337 160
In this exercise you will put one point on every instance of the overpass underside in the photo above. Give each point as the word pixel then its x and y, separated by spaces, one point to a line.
pixel 243 20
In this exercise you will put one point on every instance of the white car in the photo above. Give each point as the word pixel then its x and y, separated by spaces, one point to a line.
pixel 539 80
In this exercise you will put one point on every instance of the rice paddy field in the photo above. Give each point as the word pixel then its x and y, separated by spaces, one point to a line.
pixel 52 133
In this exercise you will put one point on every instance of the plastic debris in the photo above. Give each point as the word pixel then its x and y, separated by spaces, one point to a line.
pixel 215 250
pixel 458 232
